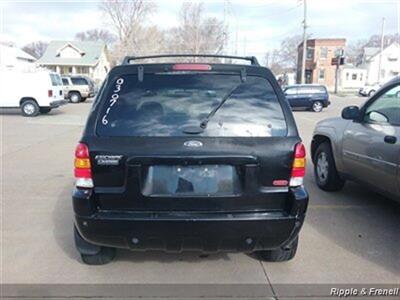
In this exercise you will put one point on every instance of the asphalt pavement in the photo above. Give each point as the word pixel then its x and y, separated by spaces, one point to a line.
pixel 349 237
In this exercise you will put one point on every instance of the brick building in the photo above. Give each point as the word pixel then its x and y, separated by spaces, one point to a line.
pixel 318 60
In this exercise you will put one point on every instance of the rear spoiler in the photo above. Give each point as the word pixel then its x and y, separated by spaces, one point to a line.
pixel 254 62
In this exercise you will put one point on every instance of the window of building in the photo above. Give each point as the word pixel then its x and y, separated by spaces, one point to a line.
pixel 347 75
pixel 383 73
pixel 354 76
pixel 321 74
pixel 309 53
pixel 324 53
pixel 361 76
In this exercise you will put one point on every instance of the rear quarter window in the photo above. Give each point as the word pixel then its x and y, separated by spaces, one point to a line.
pixel 312 90
pixel 79 81
pixel 164 104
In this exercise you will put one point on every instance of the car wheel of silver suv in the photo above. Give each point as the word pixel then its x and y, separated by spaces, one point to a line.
pixel 75 97
pixel 325 172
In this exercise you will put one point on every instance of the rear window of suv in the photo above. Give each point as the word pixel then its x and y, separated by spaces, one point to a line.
pixel 55 80
pixel 164 104
pixel 79 81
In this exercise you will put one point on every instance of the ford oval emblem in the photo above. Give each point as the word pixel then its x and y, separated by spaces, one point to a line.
pixel 194 144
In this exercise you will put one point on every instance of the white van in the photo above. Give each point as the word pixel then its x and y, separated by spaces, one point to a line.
pixel 33 92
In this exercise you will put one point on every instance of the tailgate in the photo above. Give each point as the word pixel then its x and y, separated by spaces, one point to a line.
pixel 227 175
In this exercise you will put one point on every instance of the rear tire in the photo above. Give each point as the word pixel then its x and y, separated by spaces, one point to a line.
pixel 326 175
pixel 317 106
pixel 74 97
pixel 30 108
pixel 371 92
pixel 45 110
pixel 281 254
pixel 104 256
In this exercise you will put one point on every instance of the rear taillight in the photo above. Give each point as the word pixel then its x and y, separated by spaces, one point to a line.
pixel 82 170
pixel 50 93
pixel 299 166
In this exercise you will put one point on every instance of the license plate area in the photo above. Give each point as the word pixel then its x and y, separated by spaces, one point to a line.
pixel 191 181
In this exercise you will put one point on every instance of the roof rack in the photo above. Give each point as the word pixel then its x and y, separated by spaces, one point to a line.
pixel 252 59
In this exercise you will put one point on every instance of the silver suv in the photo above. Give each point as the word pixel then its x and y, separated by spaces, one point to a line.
pixel 362 146
pixel 77 88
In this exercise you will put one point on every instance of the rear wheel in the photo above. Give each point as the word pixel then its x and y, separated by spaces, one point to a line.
pixel 104 256
pixel 371 92
pixel 325 172
pixel 281 254
pixel 317 106
pixel 30 108
pixel 45 110
pixel 75 97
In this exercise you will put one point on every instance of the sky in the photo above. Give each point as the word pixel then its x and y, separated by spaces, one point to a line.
pixel 256 26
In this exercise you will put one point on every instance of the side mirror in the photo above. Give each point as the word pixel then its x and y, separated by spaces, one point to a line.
pixel 351 113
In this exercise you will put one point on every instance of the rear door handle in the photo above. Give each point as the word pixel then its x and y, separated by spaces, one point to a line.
pixel 390 139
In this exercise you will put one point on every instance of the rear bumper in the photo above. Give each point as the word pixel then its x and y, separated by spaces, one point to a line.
pixel 201 231
pixel 58 103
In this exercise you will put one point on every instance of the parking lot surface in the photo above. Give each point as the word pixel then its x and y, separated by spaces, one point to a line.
pixel 351 236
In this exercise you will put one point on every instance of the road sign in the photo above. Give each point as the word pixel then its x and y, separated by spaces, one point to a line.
pixel 335 61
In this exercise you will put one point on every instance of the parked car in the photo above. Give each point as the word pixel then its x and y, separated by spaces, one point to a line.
pixel 369 90
pixel 363 145
pixel 78 88
pixel 32 92
pixel 308 96
pixel 179 156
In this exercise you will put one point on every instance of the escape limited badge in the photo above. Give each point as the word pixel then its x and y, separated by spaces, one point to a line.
pixel 108 160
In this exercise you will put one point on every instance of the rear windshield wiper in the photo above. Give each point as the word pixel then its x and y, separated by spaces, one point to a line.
pixel 204 123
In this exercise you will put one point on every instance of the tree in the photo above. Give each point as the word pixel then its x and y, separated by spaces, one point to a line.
pixel 355 48
pixel 196 33
pixel 127 18
pixel 36 49
pixel 284 59
pixel 288 51
pixel 96 35
pixel 274 63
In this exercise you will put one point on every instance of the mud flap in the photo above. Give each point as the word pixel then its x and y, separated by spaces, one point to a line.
pixel 83 246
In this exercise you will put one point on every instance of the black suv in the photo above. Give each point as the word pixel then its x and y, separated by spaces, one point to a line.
pixel 309 96
pixel 189 156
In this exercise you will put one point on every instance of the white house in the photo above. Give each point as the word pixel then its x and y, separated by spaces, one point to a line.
pixel 13 58
pixel 390 63
pixel 351 78
pixel 76 57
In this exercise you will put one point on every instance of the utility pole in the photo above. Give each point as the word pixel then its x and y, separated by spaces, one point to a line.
pixel 380 53
pixel 303 61
pixel 398 21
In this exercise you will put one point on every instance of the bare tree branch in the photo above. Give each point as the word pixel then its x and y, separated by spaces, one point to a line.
pixel 196 33
pixel 36 49
pixel 96 35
